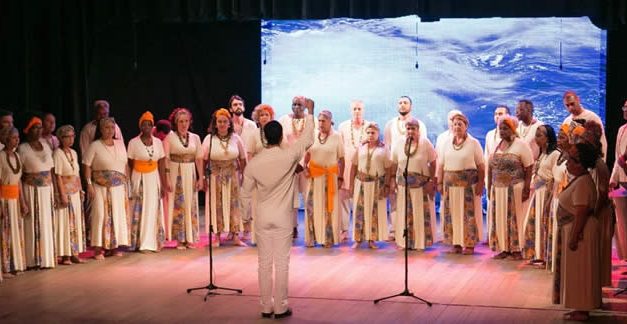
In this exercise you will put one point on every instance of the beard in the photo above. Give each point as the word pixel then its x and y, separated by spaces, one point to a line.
pixel 403 113
pixel 238 112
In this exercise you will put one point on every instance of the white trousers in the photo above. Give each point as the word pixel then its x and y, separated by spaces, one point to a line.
pixel 274 250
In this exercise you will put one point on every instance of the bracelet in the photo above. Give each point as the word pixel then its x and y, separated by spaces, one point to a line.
pixel 88 182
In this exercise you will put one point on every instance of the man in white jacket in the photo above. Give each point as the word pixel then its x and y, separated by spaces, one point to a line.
pixel 271 173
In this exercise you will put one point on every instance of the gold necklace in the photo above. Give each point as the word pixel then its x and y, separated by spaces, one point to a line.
pixel 369 156
pixel 401 129
pixel 353 135
pixel 18 166
pixel 298 130
pixel 321 141
pixel 224 143
pixel 457 147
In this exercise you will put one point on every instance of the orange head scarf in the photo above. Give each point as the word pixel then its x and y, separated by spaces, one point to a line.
pixel 32 122
pixel 147 116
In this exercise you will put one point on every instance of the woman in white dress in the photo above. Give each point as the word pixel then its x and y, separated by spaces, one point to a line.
pixel 420 209
pixel 12 205
pixel 226 154
pixel 460 181
pixel 106 174
pixel 185 177
pixel 146 160
pixel 70 226
pixel 509 178
pixel 325 166
pixel 369 182
pixel 39 195
pixel 536 224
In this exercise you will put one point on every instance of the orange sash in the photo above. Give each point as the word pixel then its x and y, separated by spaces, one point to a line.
pixel 9 191
pixel 144 166
pixel 318 171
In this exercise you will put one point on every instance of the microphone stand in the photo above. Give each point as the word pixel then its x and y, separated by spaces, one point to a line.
pixel 211 287
pixel 406 292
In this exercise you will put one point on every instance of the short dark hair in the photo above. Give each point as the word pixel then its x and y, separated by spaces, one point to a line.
pixel 503 106
pixel 273 132
pixel 528 103
pixel 235 97
pixel 408 98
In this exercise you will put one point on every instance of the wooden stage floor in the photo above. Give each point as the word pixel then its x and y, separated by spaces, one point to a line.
pixel 335 285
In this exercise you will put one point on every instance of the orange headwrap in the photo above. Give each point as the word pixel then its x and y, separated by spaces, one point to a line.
pixel 511 123
pixel 565 128
pixel 223 112
pixel 147 116
pixel 32 122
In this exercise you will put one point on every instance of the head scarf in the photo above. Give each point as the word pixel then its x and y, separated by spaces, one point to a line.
pixel 147 116
pixel 32 122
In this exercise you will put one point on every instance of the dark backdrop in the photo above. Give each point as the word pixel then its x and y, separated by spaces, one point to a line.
pixel 59 56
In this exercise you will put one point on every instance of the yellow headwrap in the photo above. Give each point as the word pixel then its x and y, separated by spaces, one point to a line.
pixel 32 122
pixel 223 112
pixel 147 116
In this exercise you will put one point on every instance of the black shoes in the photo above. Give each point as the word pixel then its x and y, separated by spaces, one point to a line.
pixel 287 313
pixel 266 315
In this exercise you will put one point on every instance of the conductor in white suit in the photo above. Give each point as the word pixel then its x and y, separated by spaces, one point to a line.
pixel 271 173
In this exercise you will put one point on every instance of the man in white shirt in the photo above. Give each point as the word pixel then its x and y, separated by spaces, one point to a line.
pixel 246 129
pixel 88 133
pixel 353 132
pixel 271 174
pixel 395 128
pixel 527 125
pixel 293 126
pixel 573 105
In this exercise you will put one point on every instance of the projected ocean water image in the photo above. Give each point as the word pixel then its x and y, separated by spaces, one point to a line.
pixel 466 64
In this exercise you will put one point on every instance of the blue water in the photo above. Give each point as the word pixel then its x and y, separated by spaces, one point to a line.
pixel 467 64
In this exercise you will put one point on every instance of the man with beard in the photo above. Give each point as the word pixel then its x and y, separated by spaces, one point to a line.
pixel 293 126
pixel 88 132
pixel 573 105
pixel 528 125
pixel 395 130
pixel 246 129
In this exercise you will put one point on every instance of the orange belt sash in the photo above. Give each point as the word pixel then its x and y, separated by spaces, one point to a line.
pixel 318 171
pixel 145 166
pixel 9 191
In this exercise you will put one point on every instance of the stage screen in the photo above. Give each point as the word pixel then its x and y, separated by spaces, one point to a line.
pixel 467 64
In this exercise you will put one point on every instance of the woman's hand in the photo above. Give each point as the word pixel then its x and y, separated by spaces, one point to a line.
pixel 91 193
pixel 479 186
pixel 200 184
